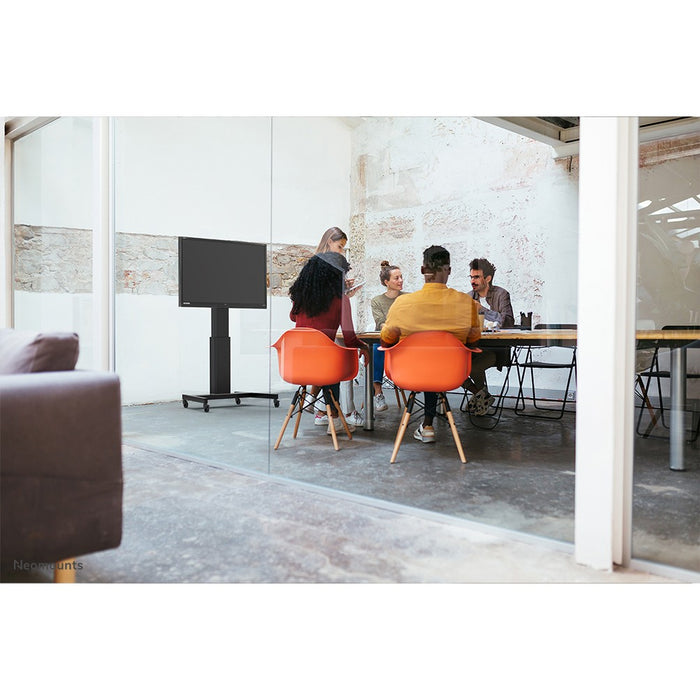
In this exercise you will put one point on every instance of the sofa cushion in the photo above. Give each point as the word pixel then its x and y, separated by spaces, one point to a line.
pixel 28 351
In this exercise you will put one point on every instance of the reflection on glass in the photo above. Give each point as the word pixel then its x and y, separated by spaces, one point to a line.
pixel 394 187
pixel 52 265
pixel 666 527
pixel 398 186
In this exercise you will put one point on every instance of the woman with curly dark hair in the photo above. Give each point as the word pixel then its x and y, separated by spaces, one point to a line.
pixel 319 301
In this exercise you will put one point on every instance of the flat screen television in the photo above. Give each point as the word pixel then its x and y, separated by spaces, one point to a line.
pixel 218 273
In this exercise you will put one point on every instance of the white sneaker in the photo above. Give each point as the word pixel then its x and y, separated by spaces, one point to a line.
pixel 380 403
pixel 480 402
pixel 321 419
pixel 425 433
pixel 339 427
pixel 355 418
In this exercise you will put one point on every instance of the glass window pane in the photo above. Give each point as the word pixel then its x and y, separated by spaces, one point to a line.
pixel 481 192
pixel 52 279
pixel 666 527
pixel 206 178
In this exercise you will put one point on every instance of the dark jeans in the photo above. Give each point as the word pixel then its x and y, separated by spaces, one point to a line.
pixel 430 400
pixel 378 357
pixel 335 391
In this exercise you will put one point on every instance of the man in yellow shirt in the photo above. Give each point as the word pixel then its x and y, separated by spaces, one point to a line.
pixel 435 307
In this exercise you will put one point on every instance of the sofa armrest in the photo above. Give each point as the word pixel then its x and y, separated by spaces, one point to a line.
pixel 60 464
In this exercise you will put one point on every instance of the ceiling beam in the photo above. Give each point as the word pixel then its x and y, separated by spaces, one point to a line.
pixel 16 127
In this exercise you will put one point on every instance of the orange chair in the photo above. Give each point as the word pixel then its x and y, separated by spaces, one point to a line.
pixel 428 361
pixel 307 357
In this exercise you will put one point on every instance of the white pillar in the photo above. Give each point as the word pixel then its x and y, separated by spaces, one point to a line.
pixel 606 340
pixel 5 232
pixel 102 247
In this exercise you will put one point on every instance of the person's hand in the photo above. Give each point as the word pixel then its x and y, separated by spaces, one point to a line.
pixel 492 315
pixel 364 354
pixel 348 284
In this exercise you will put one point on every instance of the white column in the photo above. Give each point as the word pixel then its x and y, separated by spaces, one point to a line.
pixel 102 246
pixel 606 340
pixel 5 231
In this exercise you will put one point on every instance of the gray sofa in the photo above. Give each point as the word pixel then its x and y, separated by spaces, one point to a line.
pixel 60 454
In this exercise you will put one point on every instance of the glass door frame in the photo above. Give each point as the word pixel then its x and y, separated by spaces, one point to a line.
pixel 102 229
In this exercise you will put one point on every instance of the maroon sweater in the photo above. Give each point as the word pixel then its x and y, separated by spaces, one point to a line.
pixel 338 314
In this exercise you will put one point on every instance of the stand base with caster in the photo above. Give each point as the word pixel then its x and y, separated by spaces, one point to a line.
pixel 237 396
pixel 220 367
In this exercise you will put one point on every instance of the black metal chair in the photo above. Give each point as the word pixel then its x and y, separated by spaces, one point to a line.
pixel 531 363
pixel 655 372
pixel 490 419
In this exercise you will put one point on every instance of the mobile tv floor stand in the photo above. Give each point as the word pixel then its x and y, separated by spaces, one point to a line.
pixel 220 367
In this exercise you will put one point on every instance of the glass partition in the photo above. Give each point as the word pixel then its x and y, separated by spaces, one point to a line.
pixel 402 185
pixel 52 205
pixel 394 186
pixel 198 178
pixel 666 527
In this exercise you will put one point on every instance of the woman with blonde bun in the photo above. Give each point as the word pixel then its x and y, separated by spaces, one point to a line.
pixel 390 276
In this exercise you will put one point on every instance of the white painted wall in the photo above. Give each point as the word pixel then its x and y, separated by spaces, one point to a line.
pixel 53 187
pixel 253 179
pixel 53 170
pixel 207 177
pixel 473 187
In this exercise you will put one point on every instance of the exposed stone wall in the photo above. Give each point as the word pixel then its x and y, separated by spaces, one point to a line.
pixel 52 260
pixel 285 261
pixel 476 189
pixel 59 260
pixel 145 264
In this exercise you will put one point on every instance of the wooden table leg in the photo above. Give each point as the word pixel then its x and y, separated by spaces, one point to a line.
pixel 64 571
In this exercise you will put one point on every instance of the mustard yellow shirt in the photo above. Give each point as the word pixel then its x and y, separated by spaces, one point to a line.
pixel 435 307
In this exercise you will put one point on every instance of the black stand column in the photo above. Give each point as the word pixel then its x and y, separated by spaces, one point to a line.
pixel 220 366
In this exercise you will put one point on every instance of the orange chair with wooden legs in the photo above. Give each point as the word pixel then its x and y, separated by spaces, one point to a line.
pixel 307 357
pixel 433 361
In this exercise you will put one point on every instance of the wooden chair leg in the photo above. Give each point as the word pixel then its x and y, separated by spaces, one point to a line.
pixel 331 425
pixel 64 571
pixel 342 417
pixel 398 400
pixel 286 420
pixel 402 427
pixel 453 428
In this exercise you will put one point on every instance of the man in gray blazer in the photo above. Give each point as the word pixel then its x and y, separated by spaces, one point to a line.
pixel 496 308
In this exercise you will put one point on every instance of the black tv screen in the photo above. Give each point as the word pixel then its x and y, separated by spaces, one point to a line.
pixel 222 273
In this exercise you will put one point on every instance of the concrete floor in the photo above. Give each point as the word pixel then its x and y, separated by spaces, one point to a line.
pixel 207 500
pixel 193 522
pixel 519 477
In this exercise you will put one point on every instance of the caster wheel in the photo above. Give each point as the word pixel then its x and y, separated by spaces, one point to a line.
pixel 206 408
pixel 184 403
pixel 276 403
pixel 238 401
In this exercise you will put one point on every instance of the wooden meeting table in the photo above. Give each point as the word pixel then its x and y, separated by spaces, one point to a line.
pixel 676 340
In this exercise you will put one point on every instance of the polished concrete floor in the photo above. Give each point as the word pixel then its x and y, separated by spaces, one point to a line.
pixel 519 476
pixel 196 522
pixel 206 500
